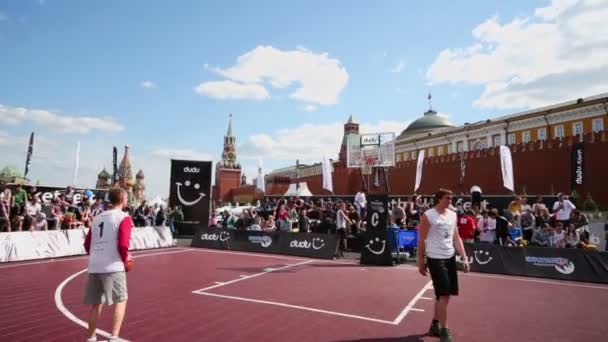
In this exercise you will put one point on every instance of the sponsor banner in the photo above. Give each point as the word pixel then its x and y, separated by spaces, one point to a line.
pixel 190 188
pixel 310 245
pixel 377 212
pixel 554 263
pixel 46 194
pixel 375 249
pixel 578 163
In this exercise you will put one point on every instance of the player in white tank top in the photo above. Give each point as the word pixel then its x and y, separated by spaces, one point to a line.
pixel 438 241
pixel 104 256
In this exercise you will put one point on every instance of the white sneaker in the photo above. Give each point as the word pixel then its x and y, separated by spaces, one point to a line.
pixel 92 339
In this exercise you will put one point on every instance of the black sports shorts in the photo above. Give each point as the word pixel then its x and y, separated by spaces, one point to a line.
pixel 444 276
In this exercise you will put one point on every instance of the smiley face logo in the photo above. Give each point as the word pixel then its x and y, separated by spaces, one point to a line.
pixel 187 183
pixel 318 243
pixel 373 245
pixel 224 236
pixel 482 257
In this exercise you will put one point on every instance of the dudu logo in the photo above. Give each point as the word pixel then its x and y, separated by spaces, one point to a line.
pixel 222 236
pixel 316 244
pixel 193 169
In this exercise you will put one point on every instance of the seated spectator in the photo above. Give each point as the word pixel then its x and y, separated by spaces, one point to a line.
pixel 40 223
pixel 502 227
pixel 544 218
pixel 32 209
pixel 161 216
pixel 515 234
pixel 515 206
pixel 466 226
pixel 5 212
pixel 559 237
pixel 16 221
pixel 542 236
pixel 581 223
pixel 85 215
pixel 303 221
pixel 527 223
pixel 270 224
pixel 572 239
pixel 585 244
pixel 538 206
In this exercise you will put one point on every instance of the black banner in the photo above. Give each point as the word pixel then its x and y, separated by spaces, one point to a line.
pixel 577 161
pixel 374 247
pixel 114 165
pixel 190 189
pixel 28 158
pixel 310 245
pixel 554 263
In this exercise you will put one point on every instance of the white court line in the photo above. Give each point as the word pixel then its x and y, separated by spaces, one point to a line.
pixel 68 258
pixel 427 298
pixel 417 310
pixel 410 305
pixel 69 315
pixel 250 276
pixel 305 308
pixel 259 255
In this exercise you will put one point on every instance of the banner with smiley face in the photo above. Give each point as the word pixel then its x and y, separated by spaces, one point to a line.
pixel 190 189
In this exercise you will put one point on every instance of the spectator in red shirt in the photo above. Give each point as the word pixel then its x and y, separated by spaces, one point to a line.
pixel 466 226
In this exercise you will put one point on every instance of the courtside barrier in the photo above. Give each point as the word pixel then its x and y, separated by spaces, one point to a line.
pixel 20 246
pixel 310 245
pixel 554 263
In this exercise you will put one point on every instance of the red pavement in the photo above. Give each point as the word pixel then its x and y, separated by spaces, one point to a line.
pixel 184 294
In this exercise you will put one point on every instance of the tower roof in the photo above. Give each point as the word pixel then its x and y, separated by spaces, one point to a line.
pixel 104 174
pixel 350 119
pixel 140 174
pixel 124 170
pixel 229 132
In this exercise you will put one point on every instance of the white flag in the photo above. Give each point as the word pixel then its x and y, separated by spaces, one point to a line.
pixel 419 170
pixel 76 163
pixel 328 183
pixel 259 182
pixel 506 165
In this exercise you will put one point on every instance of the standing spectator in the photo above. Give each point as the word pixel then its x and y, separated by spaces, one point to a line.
pixel 5 208
pixel 543 218
pixel 341 223
pixel 69 195
pixel 303 221
pixel 527 223
pixel 538 205
pixel 572 237
pixel 487 228
pixel 160 216
pixel 515 206
pixel 19 199
pixel 524 205
pixel 355 220
pixel 563 209
pixel 282 217
pixel 85 214
pixel 56 213
pixel 466 226
pixel 502 227
pixel 361 202
pixel 559 237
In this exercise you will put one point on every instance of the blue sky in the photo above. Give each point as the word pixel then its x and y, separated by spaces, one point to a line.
pixel 164 77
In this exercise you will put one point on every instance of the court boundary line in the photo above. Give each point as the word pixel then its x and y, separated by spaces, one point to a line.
pixel 402 314
pixel 70 316
pixel 78 257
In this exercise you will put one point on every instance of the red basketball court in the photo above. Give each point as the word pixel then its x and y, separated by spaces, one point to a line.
pixel 186 294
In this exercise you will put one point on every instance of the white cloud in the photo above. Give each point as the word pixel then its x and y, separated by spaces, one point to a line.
pixel 317 78
pixel 398 68
pixel 310 108
pixel 148 84
pixel 63 123
pixel 188 154
pixel 309 142
pixel 559 53
pixel 232 90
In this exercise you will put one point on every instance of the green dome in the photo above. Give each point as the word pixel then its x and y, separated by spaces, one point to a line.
pixel 10 171
pixel 429 122
pixel 104 174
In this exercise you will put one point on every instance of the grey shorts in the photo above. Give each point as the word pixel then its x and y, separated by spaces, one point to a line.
pixel 106 288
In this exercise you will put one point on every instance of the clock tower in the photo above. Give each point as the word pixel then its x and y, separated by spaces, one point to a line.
pixel 228 170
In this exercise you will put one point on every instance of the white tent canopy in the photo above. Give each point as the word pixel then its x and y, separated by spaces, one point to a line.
pixel 302 191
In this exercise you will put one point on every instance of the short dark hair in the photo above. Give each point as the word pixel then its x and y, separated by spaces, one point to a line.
pixel 442 193
pixel 115 195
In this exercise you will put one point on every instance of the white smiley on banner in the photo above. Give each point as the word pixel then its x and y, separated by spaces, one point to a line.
pixel 181 198
pixel 482 257
pixel 374 242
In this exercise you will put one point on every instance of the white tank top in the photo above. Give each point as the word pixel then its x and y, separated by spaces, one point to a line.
pixel 340 221
pixel 440 240
pixel 104 256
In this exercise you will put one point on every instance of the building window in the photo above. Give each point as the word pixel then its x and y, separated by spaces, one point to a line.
pixel 526 137
pixel 431 152
pixel 398 157
pixel 597 125
pixel 542 134
pixel 511 139
pixel 577 128
pixel 559 131
pixel 439 150
pixel 413 155
pixel 460 146
pixel 496 140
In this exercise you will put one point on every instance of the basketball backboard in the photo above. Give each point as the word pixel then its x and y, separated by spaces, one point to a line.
pixel 375 150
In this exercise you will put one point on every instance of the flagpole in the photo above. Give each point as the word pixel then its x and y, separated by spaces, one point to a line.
pixel 28 158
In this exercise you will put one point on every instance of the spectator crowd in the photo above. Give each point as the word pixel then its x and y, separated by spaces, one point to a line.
pixel 22 210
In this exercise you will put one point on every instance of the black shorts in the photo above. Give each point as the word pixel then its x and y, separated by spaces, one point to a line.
pixel 444 276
